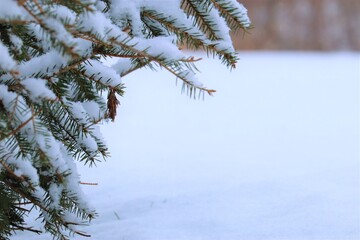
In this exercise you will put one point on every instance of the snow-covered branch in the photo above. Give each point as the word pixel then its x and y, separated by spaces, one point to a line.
pixel 55 88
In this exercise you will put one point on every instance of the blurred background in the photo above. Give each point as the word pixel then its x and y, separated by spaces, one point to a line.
pixel 311 25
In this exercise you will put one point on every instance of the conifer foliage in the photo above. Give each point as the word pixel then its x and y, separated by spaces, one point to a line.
pixel 55 89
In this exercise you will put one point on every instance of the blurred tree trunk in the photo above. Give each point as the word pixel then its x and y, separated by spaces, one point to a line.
pixel 302 25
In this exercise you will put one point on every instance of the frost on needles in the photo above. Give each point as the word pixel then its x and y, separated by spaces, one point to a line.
pixel 55 89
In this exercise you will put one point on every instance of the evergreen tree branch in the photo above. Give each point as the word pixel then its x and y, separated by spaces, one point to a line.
pixel 201 17
pixel 53 81
pixel 163 64
pixel 234 17
pixel 192 39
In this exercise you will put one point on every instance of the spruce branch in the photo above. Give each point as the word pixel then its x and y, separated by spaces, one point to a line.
pixel 192 39
pixel 196 10
pixel 170 66
pixel 22 228
pixel 234 17
pixel 53 87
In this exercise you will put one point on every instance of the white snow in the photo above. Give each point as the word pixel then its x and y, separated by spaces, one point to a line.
pixel 35 66
pixel 77 111
pixel 64 14
pixel 161 46
pixel 192 78
pixel 122 65
pixel 241 12
pixel 19 116
pixel 99 72
pixel 95 22
pixel 7 98
pixel 89 143
pixel 274 155
pixel 92 109
pixel 17 42
pixel 10 10
pixel 7 63
pixel 38 89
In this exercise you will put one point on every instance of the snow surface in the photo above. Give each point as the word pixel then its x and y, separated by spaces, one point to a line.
pixel 273 155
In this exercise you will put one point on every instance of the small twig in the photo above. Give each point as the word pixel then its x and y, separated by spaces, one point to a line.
pixel 21 2
pixel 21 228
pixel 82 234
pixel 191 59
pixel 87 183
pixel 22 209
pixel 117 55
